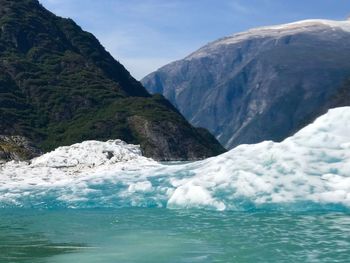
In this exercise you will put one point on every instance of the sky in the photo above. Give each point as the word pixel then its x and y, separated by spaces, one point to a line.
pixel 146 34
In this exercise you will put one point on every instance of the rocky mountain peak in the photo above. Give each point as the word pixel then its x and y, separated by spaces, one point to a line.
pixel 275 32
pixel 262 84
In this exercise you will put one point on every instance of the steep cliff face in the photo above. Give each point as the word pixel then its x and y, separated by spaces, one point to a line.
pixel 263 84
pixel 59 86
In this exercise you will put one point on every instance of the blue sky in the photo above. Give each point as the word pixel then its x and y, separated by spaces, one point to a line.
pixel 147 34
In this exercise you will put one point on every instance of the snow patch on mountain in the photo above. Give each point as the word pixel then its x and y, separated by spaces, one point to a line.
pixel 276 31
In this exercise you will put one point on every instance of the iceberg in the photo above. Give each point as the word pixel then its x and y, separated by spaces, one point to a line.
pixel 308 171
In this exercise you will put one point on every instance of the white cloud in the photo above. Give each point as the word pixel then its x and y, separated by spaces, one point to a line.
pixel 240 8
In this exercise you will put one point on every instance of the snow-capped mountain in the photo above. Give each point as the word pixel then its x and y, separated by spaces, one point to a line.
pixel 262 84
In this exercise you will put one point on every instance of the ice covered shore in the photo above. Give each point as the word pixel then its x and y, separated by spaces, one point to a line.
pixel 310 170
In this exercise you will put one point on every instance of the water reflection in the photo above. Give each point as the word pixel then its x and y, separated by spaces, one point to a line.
pixel 172 236
pixel 21 241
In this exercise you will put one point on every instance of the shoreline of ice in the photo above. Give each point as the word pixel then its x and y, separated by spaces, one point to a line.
pixel 308 171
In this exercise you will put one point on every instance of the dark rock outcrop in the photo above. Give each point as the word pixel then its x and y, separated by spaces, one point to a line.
pixel 263 84
pixel 164 146
pixel 17 148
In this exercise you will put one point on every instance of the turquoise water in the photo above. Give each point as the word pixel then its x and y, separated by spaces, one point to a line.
pixel 269 202
pixel 163 235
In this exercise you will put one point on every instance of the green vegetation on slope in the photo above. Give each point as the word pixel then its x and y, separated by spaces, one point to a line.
pixel 59 86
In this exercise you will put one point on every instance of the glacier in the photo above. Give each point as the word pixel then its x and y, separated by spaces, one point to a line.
pixel 308 171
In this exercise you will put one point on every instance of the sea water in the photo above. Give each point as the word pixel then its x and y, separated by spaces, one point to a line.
pixel 105 202
pixel 163 235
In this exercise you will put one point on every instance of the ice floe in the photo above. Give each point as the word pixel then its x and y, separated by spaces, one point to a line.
pixel 308 171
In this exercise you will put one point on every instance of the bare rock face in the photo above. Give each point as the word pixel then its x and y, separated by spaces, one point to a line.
pixel 263 84
pixel 161 139
pixel 17 148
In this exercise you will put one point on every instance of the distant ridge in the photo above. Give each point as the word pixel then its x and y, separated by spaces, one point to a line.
pixel 262 84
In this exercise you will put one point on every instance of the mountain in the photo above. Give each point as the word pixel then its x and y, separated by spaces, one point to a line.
pixel 59 86
pixel 263 84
